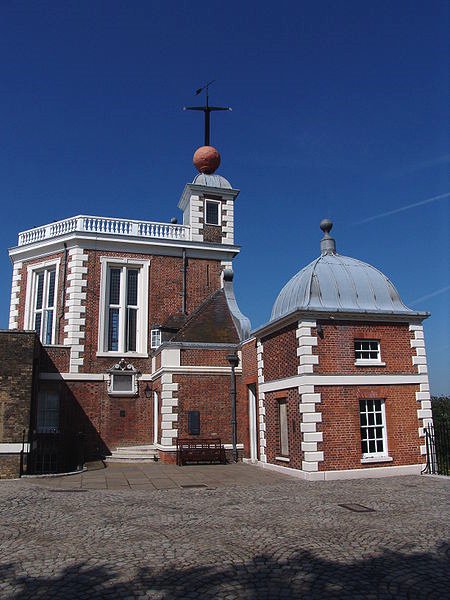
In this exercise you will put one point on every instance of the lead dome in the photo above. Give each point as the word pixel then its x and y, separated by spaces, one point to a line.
pixel 336 283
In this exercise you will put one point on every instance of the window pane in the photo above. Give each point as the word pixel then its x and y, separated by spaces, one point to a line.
pixel 113 329
pixel 48 412
pixel 212 213
pixel 155 338
pixel 132 287
pixel 131 329
pixel 51 289
pixel 114 286
pixel 284 441
pixel 39 290
pixel 48 326
pixel 37 323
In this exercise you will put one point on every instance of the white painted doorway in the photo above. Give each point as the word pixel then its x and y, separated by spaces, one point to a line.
pixel 252 422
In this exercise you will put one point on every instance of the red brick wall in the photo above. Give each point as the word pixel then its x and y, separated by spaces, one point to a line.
pixel 210 394
pixel 280 353
pixel 336 348
pixel 54 359
pixel 165 285
pixel 99 414
pixel 341 426
pixel 202 357
pixel 271 402
pixel 249 363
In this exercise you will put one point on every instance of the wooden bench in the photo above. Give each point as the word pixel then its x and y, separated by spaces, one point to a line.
pixel 206 450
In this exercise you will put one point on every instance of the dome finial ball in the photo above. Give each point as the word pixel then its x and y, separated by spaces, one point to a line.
pixel 206 159
pixel 326 225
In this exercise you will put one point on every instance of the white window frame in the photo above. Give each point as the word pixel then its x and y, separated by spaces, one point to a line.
pixel 368 362
pixel 142 266
pixel 30 301
pixel 155 333
pixel 384 453
pixel 219 212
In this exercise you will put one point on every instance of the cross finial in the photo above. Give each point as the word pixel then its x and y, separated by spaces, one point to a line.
pixel 207 110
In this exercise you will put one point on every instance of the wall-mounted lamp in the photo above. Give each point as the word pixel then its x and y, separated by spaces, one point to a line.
pixel 319 330
pixel 148 391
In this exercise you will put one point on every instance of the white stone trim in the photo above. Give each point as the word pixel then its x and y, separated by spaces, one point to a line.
pixel 15 296
pixel 169 401
pixel 363 473
pixel 13 448
pixel 75 310
pixel 261 406
pixel 312 379
pixel 309 407
pixel 424 414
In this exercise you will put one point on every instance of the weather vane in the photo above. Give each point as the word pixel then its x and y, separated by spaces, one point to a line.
pixel 207 110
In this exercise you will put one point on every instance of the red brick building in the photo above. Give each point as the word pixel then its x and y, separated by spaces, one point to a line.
pixel 136 320
pixel 342 375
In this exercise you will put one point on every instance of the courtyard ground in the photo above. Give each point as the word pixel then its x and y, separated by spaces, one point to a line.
pixel 226 532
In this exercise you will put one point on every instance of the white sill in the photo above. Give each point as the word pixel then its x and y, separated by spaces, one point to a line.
pixel 123 394
pixel 122 354
pixel 282 458
pixel 213 224
pixel 376 459
pixel 366 362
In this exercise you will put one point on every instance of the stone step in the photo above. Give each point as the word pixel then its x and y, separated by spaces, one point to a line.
pixel 133 453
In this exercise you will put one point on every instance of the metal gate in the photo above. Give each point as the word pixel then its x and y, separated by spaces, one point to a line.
pixel 437 439
pixel 53 453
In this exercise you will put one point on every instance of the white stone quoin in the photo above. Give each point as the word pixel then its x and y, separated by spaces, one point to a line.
pixel 75 307
pixel 261 406
pixel 15 294
pixel 309 400
pixel 424 413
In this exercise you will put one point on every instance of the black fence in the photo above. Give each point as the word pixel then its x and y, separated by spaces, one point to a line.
pixel 437 439
pixel 53 453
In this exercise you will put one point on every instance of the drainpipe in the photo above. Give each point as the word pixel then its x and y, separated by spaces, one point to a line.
pixel 63 291
pixel 184 290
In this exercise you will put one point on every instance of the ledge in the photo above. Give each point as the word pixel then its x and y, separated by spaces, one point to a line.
pixel 282 458
pixel 376 459
pixel 369 363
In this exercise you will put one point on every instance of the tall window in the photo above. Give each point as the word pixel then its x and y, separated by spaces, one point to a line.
pixel 283 428
pixel 123 310
pixel 47 418
pixel 373 427
pixel 44 304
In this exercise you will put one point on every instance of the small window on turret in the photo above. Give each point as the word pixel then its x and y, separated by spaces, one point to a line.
pixel 212 212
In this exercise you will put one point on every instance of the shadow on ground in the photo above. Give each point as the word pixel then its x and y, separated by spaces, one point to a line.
pixel 301 575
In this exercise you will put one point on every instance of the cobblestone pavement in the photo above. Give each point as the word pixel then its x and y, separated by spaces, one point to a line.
pixel 251 535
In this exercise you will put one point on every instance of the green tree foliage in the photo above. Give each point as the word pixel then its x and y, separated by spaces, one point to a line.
pixel 441 409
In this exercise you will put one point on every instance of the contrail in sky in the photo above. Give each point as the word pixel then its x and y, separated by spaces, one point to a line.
pixel 432 295
pixel 407 207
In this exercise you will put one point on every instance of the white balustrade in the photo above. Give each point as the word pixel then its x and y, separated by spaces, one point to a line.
pixel 105 226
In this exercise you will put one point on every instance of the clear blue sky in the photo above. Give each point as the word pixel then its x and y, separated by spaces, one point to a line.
pixel 340 109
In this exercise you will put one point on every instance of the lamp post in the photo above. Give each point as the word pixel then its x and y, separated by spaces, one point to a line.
pixel 233 359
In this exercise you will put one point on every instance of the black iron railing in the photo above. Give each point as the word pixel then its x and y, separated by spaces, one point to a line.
pixel 53 452
pixel 437 439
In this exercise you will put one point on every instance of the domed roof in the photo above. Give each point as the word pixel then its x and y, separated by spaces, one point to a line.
pixel 213 180
pixel 335 283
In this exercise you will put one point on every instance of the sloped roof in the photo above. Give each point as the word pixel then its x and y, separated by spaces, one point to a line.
pixel 210 323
